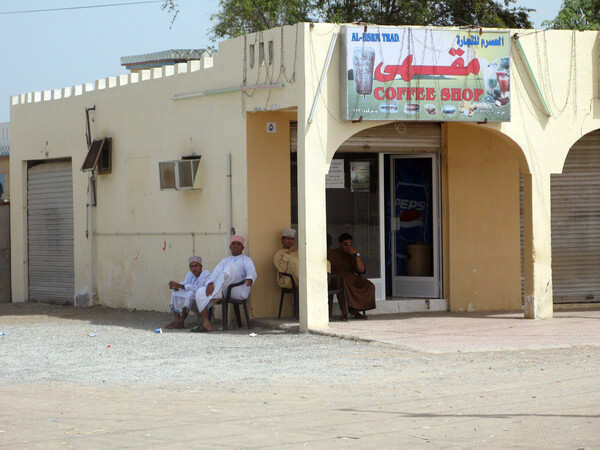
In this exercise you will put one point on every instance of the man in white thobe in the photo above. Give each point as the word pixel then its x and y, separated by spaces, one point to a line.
pixel 230 270
pixel 184 293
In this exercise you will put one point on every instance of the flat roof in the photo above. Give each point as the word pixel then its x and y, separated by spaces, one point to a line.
pixel 163 57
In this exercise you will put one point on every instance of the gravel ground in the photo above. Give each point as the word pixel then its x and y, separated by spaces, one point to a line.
pixel 102 378
pixel 121 347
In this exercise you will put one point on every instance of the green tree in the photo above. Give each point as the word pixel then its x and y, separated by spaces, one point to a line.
pixel 576 15
pixel 400 12
pixel 172 8
pixel 483 13
pixel 238 17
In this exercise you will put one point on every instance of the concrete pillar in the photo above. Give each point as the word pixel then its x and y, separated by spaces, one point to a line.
pixel 312 226
pixel 538 247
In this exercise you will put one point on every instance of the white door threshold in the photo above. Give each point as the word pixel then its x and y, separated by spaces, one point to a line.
pixel 406 305
pixel 409 305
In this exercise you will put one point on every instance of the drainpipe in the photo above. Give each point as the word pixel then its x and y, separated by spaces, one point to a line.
pixel 91 203
pixel 90 236
pixel 231 230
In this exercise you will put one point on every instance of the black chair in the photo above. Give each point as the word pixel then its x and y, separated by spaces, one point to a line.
pixel 236 307
pixel 295 295
pixel 336 287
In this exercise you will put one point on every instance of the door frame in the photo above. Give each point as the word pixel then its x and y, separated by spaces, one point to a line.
pixel 434 290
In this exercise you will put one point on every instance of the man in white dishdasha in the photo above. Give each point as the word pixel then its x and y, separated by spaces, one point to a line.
pixel 184 293
pixel 230 270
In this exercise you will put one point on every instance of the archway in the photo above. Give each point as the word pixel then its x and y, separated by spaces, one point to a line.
pixel 383 188
pixel 483 226
pixel 575 195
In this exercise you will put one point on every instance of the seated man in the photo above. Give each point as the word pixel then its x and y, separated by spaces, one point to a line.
pixel 346 261
pixel 286 259
pixel 230 270
pixel 185 292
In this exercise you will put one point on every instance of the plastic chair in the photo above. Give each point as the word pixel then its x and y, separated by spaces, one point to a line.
pixel 336 287
pixel 236 307
pixel 294 291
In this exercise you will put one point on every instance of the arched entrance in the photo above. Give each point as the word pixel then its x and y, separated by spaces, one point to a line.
pixel 576 224
pixel 473 243
pixel 383 189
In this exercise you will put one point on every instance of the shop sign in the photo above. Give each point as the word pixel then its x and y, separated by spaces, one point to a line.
pixel 427 74
pixel 335 178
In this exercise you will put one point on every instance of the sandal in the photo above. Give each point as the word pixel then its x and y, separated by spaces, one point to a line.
pixel 359 316
pixel 199 329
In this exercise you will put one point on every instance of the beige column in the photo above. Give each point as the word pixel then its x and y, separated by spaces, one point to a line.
pixel 312 225
pixel 538 246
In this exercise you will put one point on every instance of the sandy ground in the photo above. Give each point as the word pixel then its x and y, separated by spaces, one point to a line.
pixel 128 387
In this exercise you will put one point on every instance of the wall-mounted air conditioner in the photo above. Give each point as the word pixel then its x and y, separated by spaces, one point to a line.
pixel 180 175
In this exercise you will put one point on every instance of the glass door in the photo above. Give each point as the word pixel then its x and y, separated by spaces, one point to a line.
pixel 414 227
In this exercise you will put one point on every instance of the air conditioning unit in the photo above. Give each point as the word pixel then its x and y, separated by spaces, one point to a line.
pixel 180 175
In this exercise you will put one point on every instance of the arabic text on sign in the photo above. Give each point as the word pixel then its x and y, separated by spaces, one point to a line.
pixel 407 71
pixel 474 41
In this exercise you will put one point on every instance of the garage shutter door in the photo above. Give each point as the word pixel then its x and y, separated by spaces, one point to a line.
pixel 50 232
pixel 399 136
pixel 576 224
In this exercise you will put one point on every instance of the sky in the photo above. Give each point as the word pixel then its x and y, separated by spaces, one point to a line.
pixel 55 49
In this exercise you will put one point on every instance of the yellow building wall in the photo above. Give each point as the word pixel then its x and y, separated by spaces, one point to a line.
pixel 142 235
pixel 269 204
pixel 484 257
pixel 148 126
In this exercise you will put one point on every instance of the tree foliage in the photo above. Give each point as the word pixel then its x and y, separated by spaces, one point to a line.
pixel 483 13
pixel 576 15
pixel 238 17
pixel 172 8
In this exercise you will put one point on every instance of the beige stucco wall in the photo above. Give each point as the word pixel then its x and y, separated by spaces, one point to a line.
pixel 483 222
pixel 142 235
pixel 147 126
pixel 145 129
pixel 565 65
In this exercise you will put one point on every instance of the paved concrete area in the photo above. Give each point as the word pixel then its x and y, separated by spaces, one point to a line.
pixel 450 332
pixel 466 332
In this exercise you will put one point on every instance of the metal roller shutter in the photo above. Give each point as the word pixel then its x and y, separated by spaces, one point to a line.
pixel 50 232
pixel 576 224
pixel 398 136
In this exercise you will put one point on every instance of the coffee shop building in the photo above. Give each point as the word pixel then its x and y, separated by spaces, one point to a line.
pixel 464 163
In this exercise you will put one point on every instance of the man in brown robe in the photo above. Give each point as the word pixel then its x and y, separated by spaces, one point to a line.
pixel 360 292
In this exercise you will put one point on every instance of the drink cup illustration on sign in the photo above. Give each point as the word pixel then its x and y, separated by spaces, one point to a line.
pixel 363 61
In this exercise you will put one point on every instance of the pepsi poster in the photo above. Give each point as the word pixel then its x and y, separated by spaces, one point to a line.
pixel 412 207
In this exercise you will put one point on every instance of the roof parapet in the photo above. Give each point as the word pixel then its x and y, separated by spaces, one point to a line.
pixel 206 62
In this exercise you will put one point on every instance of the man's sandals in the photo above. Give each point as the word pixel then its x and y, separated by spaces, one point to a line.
pixel 200 329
